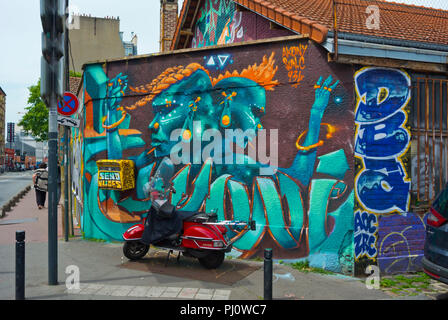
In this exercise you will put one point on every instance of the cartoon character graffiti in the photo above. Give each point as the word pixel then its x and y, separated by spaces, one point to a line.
pixel 289 206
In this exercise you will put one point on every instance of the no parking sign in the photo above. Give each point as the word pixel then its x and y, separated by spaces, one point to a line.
pixel 69 105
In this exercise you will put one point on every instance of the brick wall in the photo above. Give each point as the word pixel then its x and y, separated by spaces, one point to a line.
pixel 401 241
pixel 386 233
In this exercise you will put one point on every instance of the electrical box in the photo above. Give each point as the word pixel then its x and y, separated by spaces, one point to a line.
pixel 116 174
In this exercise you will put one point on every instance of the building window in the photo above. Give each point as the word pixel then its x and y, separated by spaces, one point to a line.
pixel 429 148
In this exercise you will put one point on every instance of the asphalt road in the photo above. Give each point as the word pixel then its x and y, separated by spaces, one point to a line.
pixel 11 183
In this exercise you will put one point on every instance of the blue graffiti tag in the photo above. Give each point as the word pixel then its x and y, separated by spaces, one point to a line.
pixel 382 186
pixel 365 234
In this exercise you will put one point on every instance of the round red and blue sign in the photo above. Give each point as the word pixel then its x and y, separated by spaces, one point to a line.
pixel 69 105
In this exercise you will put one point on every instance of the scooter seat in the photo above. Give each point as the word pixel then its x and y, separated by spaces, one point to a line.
pixel 200 217
pixel 188 215
pixel 185 215
pixel 197 216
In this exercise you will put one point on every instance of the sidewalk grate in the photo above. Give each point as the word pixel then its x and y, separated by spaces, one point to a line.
pixel 150 292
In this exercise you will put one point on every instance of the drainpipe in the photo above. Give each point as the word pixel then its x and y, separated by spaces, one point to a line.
pixel 335 28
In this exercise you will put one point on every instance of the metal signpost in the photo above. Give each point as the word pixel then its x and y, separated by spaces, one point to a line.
pixel 52 13
pixel 66 108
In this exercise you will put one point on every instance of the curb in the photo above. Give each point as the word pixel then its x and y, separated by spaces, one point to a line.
pixel 13 201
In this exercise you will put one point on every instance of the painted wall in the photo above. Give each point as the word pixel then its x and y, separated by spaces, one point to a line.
pixel 386 233
pixel 223 22
pixel 284 91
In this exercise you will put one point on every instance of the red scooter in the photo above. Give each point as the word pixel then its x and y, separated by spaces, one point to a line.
pixel 194 234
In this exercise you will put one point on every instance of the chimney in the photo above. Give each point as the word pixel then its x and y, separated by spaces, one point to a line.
pixel 168 22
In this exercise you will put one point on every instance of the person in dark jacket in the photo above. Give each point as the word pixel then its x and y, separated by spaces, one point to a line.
pixel 40 181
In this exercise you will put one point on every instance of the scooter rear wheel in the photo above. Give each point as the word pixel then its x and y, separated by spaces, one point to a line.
pixel 213 260
pixel 135 250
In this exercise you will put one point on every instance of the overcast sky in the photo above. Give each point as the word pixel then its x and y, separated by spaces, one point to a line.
pixel 21 29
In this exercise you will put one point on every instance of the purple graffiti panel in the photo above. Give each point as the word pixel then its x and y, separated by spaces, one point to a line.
pixel 401 240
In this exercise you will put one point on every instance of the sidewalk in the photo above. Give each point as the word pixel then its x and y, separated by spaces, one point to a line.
pixel 106 275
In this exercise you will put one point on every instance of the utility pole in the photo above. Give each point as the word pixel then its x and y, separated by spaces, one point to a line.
pixel 66 130
pixel 52 13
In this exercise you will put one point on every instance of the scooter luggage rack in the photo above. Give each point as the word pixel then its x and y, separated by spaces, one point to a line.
pixel 250 224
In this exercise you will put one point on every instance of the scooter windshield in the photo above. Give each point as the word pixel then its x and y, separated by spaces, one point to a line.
pixel 159 185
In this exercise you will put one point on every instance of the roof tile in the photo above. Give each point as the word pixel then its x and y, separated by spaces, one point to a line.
pixel 315 18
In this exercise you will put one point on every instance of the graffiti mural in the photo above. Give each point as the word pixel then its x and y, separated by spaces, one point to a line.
pixel 76 175
pixel 382 138
pixel 365 235
pixel 219 23
pixel 401 241
pixel 382 142
pixel 218 62
pixel 294 178
pixel 294 61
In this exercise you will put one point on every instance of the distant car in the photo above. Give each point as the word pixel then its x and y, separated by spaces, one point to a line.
pixel 435 260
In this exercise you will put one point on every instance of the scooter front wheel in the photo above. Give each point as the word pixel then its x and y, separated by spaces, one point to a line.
pixel 135 250
pixel 213 260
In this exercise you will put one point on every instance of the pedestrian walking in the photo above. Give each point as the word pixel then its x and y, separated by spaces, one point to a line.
pixel 40 181
pixel 59 183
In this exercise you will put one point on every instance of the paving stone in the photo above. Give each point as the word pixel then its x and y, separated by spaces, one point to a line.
pixel 91 289
pixel 155 292
pixel 204 294
pixel 439 288
pixel 73 290
pixel 187 293
pixel 138 291
pixel 221 294
pixel 107 290
pixel 122 291
pixel 206 291
pixel 171 292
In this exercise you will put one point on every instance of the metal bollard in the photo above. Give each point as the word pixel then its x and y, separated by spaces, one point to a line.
pixel 20 265
pixel 267 274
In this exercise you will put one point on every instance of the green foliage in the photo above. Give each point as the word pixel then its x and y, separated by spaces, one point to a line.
pixel 35 120
pixel 406 284
pixel 75 74
pixel 304 266
pixel 301 265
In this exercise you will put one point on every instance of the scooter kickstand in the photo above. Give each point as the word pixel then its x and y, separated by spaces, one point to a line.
pixel 168 257
pixel 178 257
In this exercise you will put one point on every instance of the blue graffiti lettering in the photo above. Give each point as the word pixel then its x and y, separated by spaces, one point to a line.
pixel 382 186
pixel 365 234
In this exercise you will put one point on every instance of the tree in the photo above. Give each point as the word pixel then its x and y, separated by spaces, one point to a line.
pixel 35 120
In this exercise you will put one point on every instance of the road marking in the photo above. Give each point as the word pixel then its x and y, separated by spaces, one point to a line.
pixel 150 292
